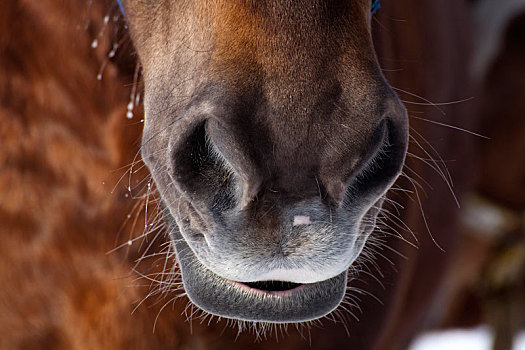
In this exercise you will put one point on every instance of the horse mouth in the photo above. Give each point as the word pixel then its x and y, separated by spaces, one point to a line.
pixel 262 301
pixel 280 288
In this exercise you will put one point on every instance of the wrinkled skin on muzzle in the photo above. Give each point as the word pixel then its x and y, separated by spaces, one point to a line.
pixel 272 137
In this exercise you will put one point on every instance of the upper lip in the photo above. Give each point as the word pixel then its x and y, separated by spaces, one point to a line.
pixel 226 298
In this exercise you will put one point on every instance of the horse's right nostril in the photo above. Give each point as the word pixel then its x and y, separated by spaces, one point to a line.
pixel 211 167
pixel 199 172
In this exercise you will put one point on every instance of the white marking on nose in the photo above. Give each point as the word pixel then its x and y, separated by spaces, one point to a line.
pixel 301 220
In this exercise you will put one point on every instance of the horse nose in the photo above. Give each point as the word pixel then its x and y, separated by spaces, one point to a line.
pixel 225 164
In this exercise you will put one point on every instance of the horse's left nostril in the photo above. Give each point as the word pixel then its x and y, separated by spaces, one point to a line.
pixel 383 166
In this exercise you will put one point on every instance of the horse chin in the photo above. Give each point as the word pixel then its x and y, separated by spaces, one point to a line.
pixel 289 302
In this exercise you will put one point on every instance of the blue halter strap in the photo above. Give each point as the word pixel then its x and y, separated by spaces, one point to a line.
pixel 375 6
pixel 119 2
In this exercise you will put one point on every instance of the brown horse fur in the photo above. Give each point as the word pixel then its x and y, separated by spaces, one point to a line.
pixel 64 136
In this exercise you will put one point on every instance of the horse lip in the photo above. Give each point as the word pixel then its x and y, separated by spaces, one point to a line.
pixel 230 299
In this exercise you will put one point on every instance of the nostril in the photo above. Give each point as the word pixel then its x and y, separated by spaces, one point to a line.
pixel 384 165
pixel 192 158
pixel 233 146
pixel 200 172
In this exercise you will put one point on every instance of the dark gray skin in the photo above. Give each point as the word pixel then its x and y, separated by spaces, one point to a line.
pixel 272 137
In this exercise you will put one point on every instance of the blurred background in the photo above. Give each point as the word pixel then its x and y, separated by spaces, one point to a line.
pixel 80 237
pixel 487 273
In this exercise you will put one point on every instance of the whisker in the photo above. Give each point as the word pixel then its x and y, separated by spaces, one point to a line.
pixel 451 127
